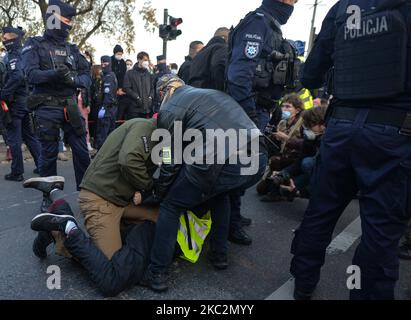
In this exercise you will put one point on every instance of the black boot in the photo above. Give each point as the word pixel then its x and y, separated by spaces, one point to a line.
pixel 302 295
pixel 14 177
pixel 218 260
pixel 40 244
pixel 245 222
pixel 239 236
pixel 155 281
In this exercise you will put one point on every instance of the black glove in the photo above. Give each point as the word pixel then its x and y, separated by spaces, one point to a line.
pixel 66 76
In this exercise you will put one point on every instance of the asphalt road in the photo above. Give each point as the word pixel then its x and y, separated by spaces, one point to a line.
pixel 255 273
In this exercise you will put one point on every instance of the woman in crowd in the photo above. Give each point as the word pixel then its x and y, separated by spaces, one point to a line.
pixel 289 138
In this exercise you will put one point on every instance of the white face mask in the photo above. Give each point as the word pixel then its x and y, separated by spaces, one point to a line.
pixel 118 57
pixel 146 65
pixel 129 68
pixel 174 71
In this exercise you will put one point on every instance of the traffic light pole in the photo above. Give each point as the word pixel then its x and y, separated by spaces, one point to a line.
pixel 312 32
pixel 165 40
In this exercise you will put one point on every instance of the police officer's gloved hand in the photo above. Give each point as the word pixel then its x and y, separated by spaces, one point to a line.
pixel 66 76
pixel 63 71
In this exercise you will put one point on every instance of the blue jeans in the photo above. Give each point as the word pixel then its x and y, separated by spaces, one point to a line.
pixel 376 161
pixel 184 195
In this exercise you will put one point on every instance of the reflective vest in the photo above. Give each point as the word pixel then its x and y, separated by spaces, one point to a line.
pixel 192 233
pixel 307 98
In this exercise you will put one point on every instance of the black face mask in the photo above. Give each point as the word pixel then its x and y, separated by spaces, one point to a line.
pixel 11 44
pixel 106 69
pixel 280 11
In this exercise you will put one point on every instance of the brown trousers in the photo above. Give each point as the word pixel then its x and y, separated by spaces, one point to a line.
pixel 103 218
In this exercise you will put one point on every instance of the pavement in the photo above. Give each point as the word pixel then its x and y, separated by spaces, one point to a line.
pixel 257 272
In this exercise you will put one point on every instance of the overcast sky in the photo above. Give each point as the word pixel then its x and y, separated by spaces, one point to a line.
pixel 202 18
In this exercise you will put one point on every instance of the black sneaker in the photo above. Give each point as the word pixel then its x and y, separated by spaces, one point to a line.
pixel 14 177
pixel 301 295
pixel 45 185
pixel 51 222
pixel 218 260
pixel 404 252
pixel 239 236
pixel 40 244
pixel 155 281
pixel 245 222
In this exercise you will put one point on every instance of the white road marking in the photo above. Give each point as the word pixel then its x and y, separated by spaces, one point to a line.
pixel 340 244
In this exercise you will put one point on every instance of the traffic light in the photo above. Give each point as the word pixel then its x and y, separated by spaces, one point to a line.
pixel 165 31
pixel 170 32
pixel 174 23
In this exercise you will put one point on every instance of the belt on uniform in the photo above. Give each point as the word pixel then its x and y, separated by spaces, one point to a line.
pixel 399 119
pixel 55 102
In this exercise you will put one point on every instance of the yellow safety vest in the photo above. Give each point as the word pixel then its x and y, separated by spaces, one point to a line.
pixel 192 233
pixel 307 98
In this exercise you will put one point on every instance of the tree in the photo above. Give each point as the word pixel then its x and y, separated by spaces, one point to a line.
pixel 111 18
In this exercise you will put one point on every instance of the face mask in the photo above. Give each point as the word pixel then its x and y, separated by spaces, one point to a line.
pixel 118 57
pixel 284 13
pixel 286 115
pixel 174 71
pixel 129 68
pixel 10 44
pixel 146 65
pixel 281 11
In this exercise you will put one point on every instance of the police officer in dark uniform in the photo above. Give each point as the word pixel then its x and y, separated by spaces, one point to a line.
pixel 56 69
pixel 251 71
pixel 366 150
pixel 162 70
pixel 257 73
pixel 107 114
pixel 14 94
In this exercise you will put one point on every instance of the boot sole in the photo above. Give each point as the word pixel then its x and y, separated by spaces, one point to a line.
pixel 30 183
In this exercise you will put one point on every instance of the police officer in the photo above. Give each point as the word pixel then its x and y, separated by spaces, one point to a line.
pixel 162 70
pixel 14 94
pixel 367 146
pixel 251 77
pixel 108 112
pixel 56 68
pixel 250 74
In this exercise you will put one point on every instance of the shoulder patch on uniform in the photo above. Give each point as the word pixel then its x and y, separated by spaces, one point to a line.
pixel 146 144
pixel 27 48
pixel 252 49
pixel 253 37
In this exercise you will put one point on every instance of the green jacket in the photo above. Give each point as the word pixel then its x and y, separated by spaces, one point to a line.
pixel 123 165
